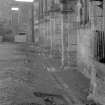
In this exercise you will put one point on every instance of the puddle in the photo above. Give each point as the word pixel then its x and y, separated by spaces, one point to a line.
pixel 51 99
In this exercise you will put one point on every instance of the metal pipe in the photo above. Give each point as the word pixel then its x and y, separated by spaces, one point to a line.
pixel 62 39
pixel 103 44
pixel 51 35
pixel 33 36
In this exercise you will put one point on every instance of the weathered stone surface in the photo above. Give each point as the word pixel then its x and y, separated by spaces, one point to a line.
pixel 18 79
pixel 85 49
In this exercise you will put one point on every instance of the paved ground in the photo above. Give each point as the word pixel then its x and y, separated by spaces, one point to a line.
pixel 22 72
pixel 18 80
pixel 71 80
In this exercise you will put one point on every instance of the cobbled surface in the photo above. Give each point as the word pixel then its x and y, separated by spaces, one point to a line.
pixel 19 77
pixel 24 71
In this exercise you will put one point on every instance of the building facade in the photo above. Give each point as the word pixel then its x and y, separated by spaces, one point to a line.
pixel 74 30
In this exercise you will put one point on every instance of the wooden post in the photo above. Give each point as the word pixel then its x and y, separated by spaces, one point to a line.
pixel 104 28
pixel 104 15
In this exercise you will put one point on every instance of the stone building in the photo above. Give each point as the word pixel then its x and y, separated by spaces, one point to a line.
pixel 73 31
pixel 76 30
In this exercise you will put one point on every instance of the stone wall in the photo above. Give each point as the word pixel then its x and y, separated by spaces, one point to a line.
pixel 85 51
pixel 91 68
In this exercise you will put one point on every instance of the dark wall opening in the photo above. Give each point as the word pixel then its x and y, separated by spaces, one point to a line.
pixel 100 46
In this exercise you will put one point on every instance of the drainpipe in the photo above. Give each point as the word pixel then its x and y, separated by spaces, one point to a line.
pixel 33 37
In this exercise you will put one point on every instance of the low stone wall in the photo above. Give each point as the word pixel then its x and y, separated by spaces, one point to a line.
pixel 20 38
pixel 8 38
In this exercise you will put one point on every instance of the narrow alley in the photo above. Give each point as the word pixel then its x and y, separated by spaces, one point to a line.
pixel 22 74
pixel 19 80
pixel 52 52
